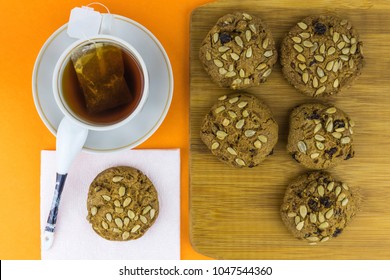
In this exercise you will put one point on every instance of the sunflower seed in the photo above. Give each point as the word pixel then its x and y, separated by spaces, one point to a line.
pixel 242 73
pixel 233 100
pixel 109 217
pixel 296 39
pixel 322 49
pixel 242 104
pixel 302 66
pixel 235 56
pixel 345 186
pixel 336 37
pixel 248 53
pixel 218 63
pixel 345 51
pixel 336 83
pixel 337 190
pixel 223 49
pixel 225 122
pixel 267 73
pixel 302 147
pixel 215 37
pixel 221 134
pixel 312 238
pixel 340 129
pixel 215 145
pixel 247 81
pixel 127 202
pixel 262 138
pixel 345 140
pixel 291 214
pixel 265 43
pixel 246 16
pixel 117 203
pixel 344 202
pixel 314 155
pixel 240 162
pixel 298 48
pixel 321 190
pixel 301 58
pixel 97 189
pixel 223 97
pixel 331 51
pixel 118 210
pixel 232 114
pixel 313 218
pixel 351 123
pixel 249 133
pixel 324 225
pixel 320 72
pixel 152 213
pixel 261 66
pixel 331 110
pixel 93 211
pixel 321 217
pixel 104 225
pixel 344 57
pixel 131 214
pixel 337 135
pixel 143 219
pixel 350 130
pixel 326 238
pixel 350 63
pixel 329 213
pixel 239 41
pixel 320 146
pixel 117 179
pixel 126 221
pixel 146 210
pixel 316 129
pixel 353 48
pixel 308 44
pixel 346 39
pixel 304 35
pixel 330 186
pixel 305 77
pixel 231 151
pixel 341 196
pixel 257 144
pixel 208 56
pixel 122 191
pixel 118 222
pixel 297 219
pixel 125 235
pixel 230 74
pixel 303 211
pixel 240 124
pixel 245 113
pixel 302 25
pixel 252 27
pixel 323 79
pixel 341 45
pixel 353 40
pixel 106 197
pixel 268 53
pixel 319 137
pixel 329 126
pixel 222 71
pixel 361 49
pixel 315 82
pixel 300 225
pixel 135 228
pixel 248 35
pixel 335 66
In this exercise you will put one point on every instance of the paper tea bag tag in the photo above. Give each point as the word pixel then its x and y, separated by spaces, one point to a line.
pixel 84 22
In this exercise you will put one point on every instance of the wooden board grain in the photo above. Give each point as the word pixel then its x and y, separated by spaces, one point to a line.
pixel 234 213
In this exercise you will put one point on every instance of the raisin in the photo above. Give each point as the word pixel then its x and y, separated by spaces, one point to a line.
pixel 338 124
pixel 251 165
pixel 294 157
pixel 224 38
pixel 319 28
pixel 337 232
pixel 313 205
pixel 312 62
pixel 349 156
pixel 331 151
pixel 326 201
pixel 271 153
pixel 314 115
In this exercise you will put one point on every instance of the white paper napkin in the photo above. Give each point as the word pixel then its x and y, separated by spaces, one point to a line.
pixel 74 236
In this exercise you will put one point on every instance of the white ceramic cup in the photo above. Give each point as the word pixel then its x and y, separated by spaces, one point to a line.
pixel 73 130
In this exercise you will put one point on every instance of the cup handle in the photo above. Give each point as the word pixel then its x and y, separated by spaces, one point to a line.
pixel 70 140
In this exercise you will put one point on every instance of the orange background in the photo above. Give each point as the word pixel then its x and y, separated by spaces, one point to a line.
pixel 25 26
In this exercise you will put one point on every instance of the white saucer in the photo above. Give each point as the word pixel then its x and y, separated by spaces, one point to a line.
pixel 160 89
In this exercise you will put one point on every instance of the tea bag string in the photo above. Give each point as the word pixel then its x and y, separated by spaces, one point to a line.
pixel 99 4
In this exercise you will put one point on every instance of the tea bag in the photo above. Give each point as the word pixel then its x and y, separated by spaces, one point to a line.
pixel 100 72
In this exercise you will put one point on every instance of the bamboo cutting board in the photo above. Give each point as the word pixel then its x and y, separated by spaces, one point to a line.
pixel 234 213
